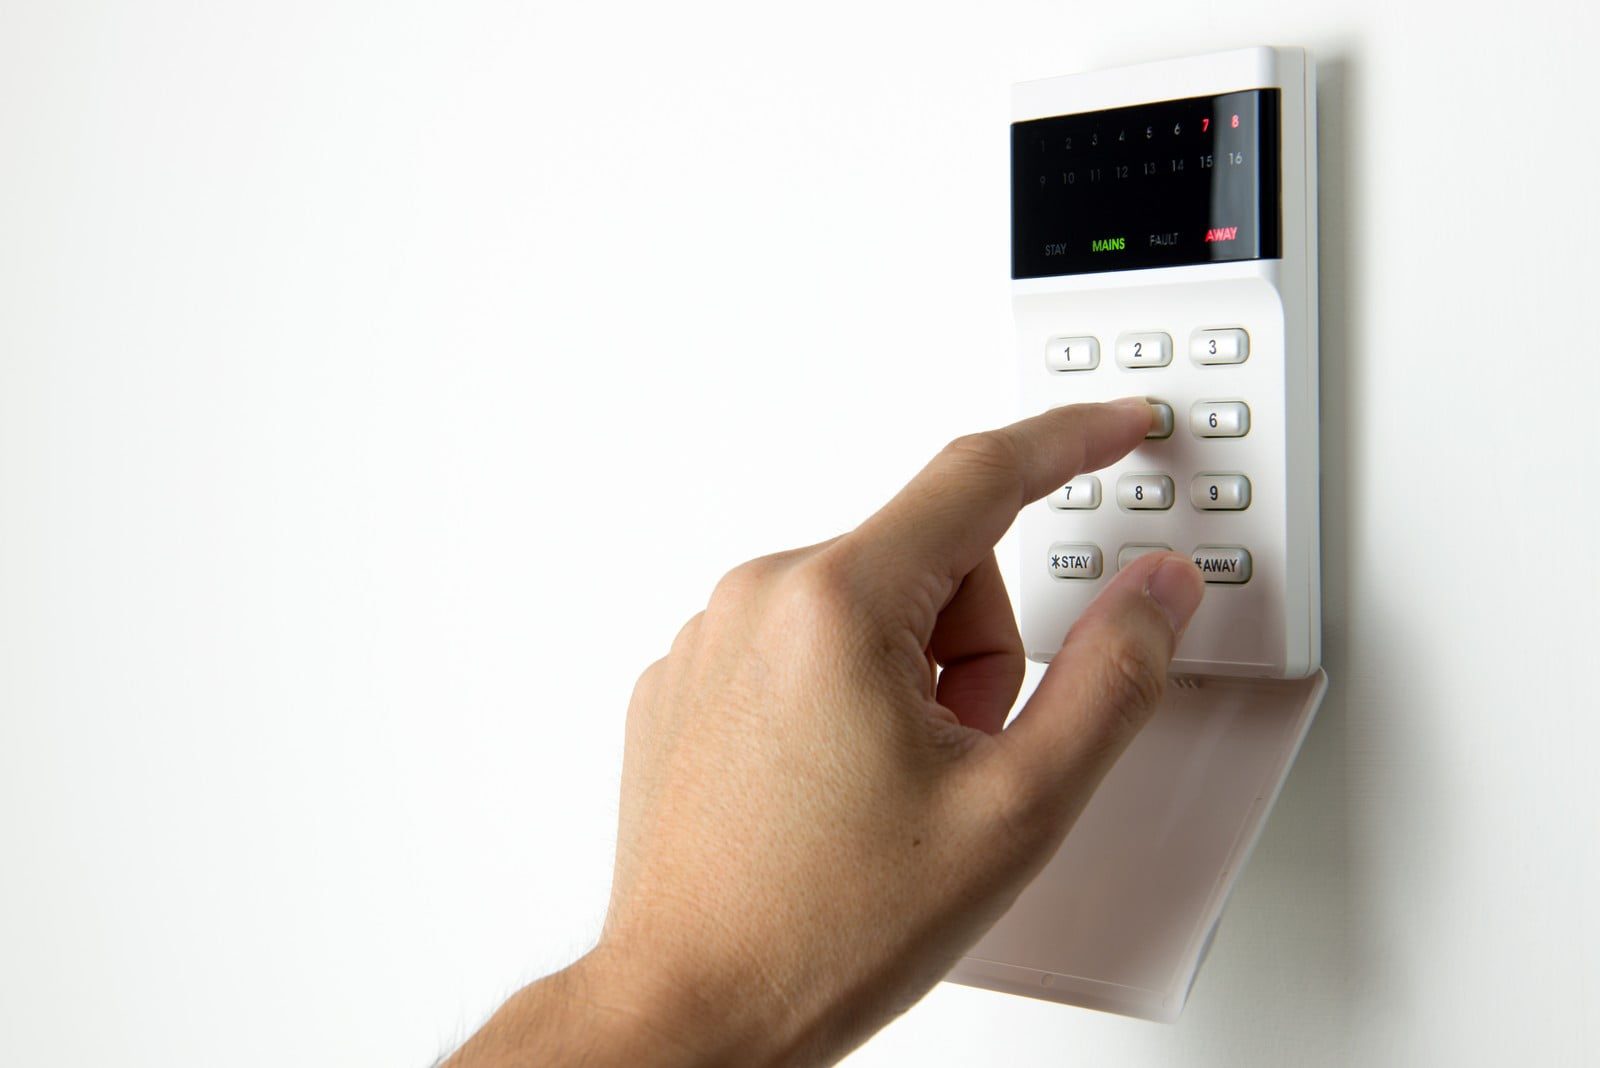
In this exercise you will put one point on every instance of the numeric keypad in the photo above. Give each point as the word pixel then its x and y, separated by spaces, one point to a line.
pixel 1212 351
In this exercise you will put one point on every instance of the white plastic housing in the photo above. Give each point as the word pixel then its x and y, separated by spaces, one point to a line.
pixel 1268 627
pixel 1121 917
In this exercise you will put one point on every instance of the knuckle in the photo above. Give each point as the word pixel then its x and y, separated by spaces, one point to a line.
pixel 743 580
pixel 1134 682
pixel 820 590
pixel 799 593
pixel 648 679
pixel 685 636
pixel 820 600
pixel 1028 806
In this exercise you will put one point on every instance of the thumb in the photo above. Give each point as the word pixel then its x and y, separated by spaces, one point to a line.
pixel 1104 684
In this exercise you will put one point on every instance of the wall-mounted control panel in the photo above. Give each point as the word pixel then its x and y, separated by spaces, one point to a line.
pixel 1163 243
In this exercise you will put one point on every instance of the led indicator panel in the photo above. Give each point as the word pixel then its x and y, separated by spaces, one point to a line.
pixel 1157 185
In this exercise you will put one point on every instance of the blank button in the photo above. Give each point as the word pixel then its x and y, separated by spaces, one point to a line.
pixel 1220 419
pixel 1072 354
pixel 1129 553
pixel 1220 493
pixel 1219 346
pixel 1144 492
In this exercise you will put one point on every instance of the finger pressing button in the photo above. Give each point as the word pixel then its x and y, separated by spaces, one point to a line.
pixel 1129 553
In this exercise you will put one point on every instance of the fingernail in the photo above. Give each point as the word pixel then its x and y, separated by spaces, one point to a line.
pixel 1177 587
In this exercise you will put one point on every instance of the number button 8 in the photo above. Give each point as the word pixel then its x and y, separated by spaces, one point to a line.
pixel 1144 492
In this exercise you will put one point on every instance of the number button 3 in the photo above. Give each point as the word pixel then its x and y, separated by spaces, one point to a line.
pixel 1219 346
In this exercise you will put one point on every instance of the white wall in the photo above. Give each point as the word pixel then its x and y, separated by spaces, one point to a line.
pixel 381 385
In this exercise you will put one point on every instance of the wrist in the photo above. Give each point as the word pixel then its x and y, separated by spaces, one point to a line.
pixel 612 1007
pixel 672 1010
pixel 645 1015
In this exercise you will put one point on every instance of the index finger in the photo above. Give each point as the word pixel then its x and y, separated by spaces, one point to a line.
pixel 948 518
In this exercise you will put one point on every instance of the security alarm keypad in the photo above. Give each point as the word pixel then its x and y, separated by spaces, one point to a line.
pixel 1164 245
pixel 1155 490
pixel 1162 249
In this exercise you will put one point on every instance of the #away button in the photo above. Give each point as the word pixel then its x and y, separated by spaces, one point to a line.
pixel 1222 563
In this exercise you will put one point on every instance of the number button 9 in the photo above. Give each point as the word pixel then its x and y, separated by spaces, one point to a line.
pixel 1216 492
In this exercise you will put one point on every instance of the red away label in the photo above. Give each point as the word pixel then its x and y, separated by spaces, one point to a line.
pixel 1222 233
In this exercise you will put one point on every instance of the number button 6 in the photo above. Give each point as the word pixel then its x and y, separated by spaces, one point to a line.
pixel 1220 419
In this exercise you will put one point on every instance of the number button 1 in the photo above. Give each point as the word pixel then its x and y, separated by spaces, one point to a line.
pixel 1144 350
pixel 1072 354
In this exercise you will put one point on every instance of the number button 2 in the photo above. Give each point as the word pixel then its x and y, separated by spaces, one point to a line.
pixel 1144 350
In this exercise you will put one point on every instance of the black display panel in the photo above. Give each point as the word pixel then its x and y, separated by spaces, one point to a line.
pixel 1156 185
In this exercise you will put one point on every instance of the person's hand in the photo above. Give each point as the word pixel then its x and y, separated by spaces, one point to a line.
pixel 820 808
